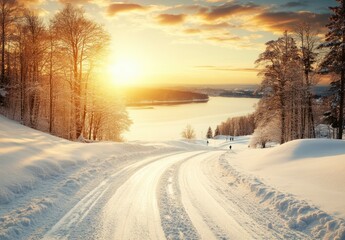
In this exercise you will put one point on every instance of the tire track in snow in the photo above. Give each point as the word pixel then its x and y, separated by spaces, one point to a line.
pixel 175 221
pixel 69 222
pixel 133 212
pixel 207 209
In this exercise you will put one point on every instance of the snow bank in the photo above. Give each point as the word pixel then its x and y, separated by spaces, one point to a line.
pixel 306 148
pixel 28 156
pixel 302 179
pixel 299 214
pixel 312 169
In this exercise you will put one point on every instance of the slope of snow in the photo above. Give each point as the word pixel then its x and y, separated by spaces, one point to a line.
pixel 311 168
pixel 302 179
pixel 51 188
pixel 40 172
pixel 28 156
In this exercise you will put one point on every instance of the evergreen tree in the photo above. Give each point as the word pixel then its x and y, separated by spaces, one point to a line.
pixel 334 61
pixel 217 132
pixel 209 133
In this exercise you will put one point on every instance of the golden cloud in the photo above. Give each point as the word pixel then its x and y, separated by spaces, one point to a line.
pixel 171 19
pixel 115 8
pixel 281 21
pixel 227 10
pixel 224 38
pixel 192 31
pixel 74 1
pixel 29 3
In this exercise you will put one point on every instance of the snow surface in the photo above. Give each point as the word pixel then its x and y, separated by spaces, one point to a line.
pixel 51 188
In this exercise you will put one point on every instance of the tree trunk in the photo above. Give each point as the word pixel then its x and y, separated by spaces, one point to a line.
pixel 341 110
pixel 342 82
pixel 282 119
pixel 51 86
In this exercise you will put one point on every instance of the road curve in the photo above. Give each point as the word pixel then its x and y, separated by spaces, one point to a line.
pixel 133 212
pixel 181 195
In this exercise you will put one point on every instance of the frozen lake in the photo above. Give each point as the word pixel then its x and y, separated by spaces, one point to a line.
pixel 166 122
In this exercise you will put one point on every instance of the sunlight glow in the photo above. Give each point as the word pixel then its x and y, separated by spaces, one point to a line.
pixel 124 71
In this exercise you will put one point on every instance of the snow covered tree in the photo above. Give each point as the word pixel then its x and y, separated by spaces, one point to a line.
pixel 47 74
pixel 81 39
pixel 266 132
pixel 188 132
pixel 34 51
pixel 282 82
pixel 7 18
pixel 237 126
pixel 216 132
pixel 307 39
pixel 334 61
pixel 209 133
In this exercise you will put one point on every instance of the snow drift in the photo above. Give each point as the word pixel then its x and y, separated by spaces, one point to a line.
pixel 302 179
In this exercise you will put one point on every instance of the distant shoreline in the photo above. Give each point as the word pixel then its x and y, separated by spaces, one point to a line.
pixel 169 102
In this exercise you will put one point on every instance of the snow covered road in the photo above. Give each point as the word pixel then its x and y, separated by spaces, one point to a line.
pixel 183 195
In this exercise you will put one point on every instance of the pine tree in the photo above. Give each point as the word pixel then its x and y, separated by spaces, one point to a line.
pixel 217 132
pixel 334 61
pixel 209 133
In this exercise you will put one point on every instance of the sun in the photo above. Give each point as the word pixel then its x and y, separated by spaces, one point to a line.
pixel 124 71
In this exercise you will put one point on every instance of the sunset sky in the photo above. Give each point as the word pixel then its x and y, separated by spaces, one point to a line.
pixel 191 41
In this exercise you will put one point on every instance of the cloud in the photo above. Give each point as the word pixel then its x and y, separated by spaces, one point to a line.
pixel 227 68
pixel 29 3
pixel 192 31
pixel 295 4
pixel 214 1
pixel 171 19
pixel 115 8
pixel 280 21
pixel 219 27
pixel 224 38
pixel 74 1
pixel 227 10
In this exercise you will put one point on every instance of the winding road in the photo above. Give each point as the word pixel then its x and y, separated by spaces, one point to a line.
pixel 181 195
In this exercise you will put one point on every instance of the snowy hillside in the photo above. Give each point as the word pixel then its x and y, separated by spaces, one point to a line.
pixel 51 188
pixel 39 171
pixel 312 169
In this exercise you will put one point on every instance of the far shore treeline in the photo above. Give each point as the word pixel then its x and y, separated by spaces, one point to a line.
pixel 136 96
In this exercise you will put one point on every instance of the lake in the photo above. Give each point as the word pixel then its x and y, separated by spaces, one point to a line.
pixel 166 122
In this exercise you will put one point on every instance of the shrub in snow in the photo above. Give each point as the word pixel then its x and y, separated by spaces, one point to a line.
pixel 188 132
pixel 265 133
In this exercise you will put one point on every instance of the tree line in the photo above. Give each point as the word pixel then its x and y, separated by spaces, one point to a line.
pixel 236 126
pixel 49 74
pixel 291 65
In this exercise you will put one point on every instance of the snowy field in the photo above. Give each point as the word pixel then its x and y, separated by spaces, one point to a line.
pixel 55 189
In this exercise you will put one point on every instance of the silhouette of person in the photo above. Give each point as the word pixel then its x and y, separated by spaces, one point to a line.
pixel 230 147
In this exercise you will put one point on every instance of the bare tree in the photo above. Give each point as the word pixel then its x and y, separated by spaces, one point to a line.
pixel 7 17
pixel 308 41
pixel 281 81
pixel 188 132
pixel 36 46
pixel 81 40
